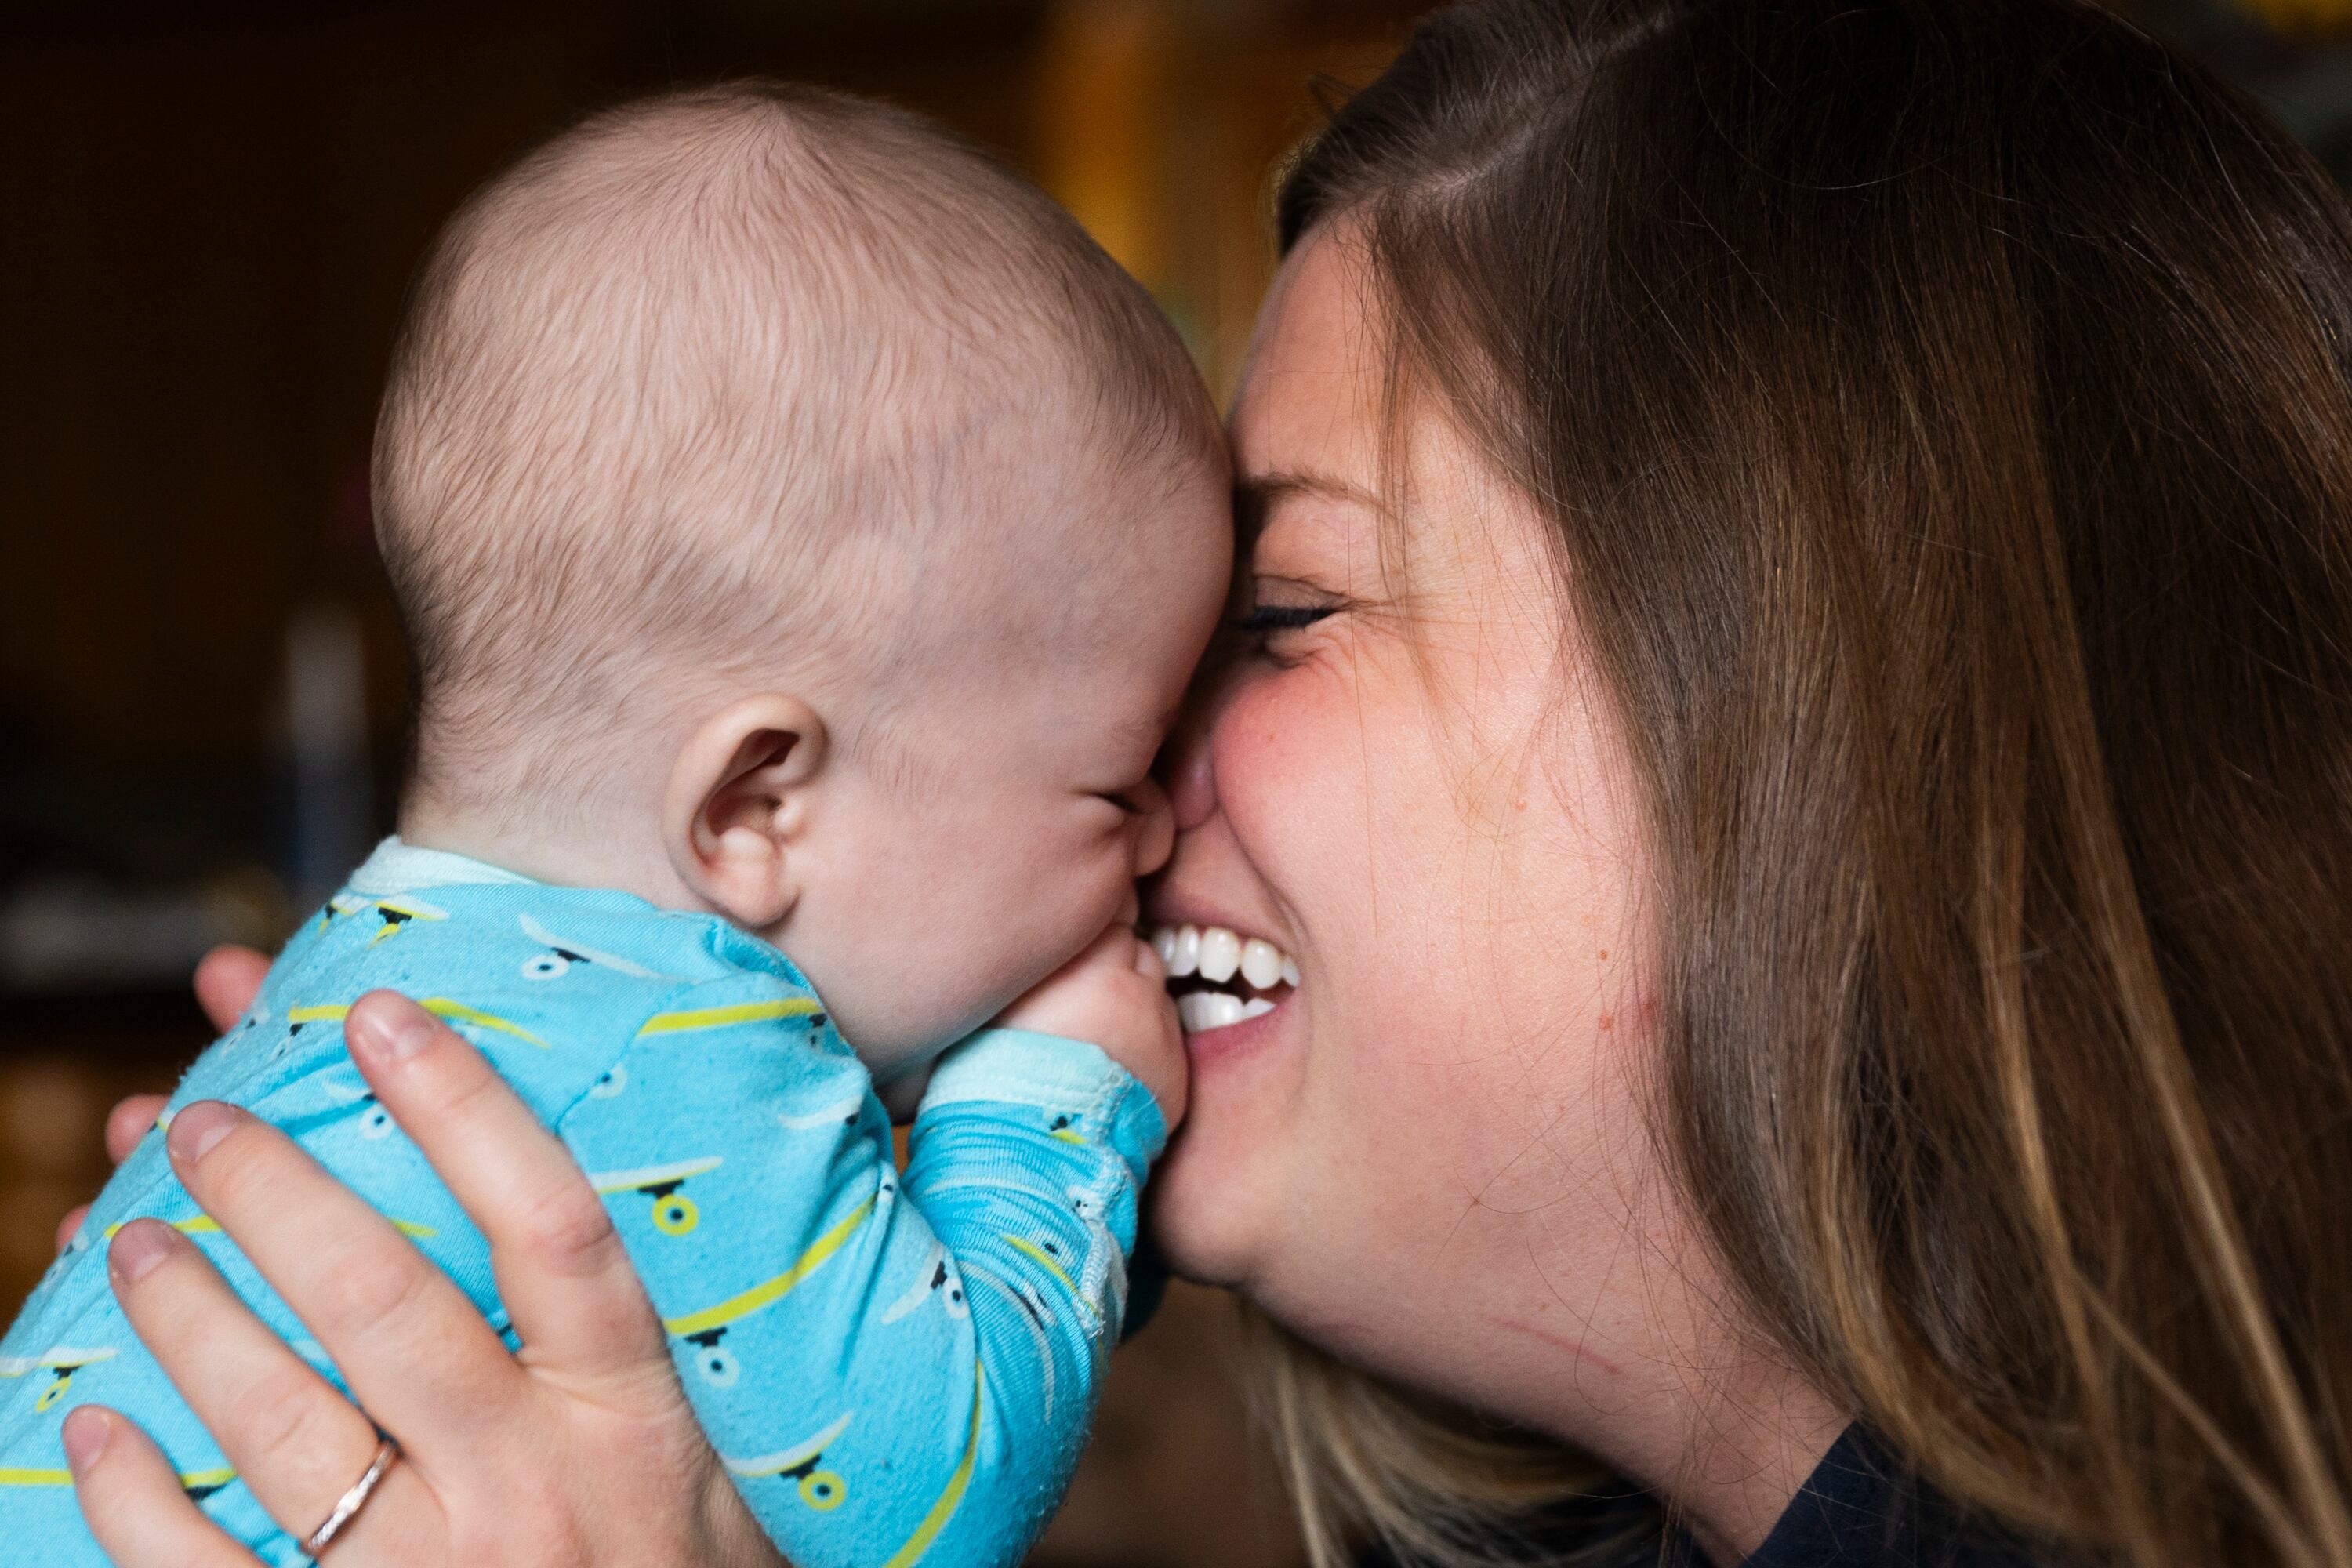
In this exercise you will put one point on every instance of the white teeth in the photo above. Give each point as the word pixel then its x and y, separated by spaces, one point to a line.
pixel 1221 955
pixel 1216 954
pixel 1200 1011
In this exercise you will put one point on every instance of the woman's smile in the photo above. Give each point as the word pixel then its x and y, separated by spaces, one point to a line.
pixel 1220 977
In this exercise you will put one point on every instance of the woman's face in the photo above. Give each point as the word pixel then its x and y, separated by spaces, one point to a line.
pixel 1412 783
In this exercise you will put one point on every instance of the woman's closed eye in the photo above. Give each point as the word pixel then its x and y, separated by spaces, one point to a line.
pixel 1278 604
pixel 1267 629
pixel 1266 620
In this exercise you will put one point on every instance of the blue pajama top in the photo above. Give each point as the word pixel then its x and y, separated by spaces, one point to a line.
pixel 896 1371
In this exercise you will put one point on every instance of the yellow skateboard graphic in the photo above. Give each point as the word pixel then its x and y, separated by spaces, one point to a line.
pixel 204 1224
pixel 821 1489
pixel 1048 1257
pixel 62 1360
pixel 198 1484
pixel 562 953
pixel 395 912
pixel 943 1507
pixel 691 1019
pixel 675 1214
pixel 707 1327
pixel 439 1006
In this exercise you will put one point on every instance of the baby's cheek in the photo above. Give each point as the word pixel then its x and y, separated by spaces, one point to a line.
pixel 1077 886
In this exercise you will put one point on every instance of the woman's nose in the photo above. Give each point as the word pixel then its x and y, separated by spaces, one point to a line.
pixel 1184 769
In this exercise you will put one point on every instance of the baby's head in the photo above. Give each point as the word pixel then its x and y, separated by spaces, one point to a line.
pixel 794 515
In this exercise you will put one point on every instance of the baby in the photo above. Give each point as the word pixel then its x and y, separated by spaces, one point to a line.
pixel 804 534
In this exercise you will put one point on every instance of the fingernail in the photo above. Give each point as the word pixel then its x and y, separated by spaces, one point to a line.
pixel 137 1248
pixel 85 1435
pixel 391 1030
pixel 198 1127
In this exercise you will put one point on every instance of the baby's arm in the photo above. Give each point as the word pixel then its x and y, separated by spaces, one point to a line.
pixel 1028 1159
pixel 888 1381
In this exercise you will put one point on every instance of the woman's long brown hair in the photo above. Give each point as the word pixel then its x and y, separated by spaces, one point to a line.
pixel 1946 411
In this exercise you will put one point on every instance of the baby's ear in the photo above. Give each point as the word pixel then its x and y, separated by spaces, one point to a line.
pixel 737 803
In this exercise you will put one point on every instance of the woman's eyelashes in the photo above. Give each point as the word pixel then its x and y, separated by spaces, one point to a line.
pixel 1272 605
pixel 1264 631
pixel 1265 620
pixel 1267 634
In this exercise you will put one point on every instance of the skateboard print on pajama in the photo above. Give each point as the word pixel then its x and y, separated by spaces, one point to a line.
pixel 894 1371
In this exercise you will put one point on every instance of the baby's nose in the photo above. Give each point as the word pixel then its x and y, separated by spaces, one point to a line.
pixel 1155 834
pixel 1184 769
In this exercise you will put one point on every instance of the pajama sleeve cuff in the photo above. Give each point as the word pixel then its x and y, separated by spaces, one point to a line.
pixel 1062 1078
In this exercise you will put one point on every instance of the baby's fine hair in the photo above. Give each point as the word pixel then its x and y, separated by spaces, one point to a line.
pixel 713 378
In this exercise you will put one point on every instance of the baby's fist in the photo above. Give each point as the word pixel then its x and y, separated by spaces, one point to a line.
pixel 1113 994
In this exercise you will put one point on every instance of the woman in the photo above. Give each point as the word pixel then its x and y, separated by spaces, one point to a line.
pixel 1791 709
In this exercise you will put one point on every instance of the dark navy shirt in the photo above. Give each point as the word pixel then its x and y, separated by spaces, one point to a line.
pixel 1859 1510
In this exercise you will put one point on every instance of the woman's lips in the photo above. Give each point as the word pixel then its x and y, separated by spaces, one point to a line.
pixel 1220 977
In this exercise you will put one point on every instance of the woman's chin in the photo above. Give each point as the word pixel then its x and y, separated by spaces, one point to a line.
pixel 1215 1202
pixel 1220 1195
pixel 1198 1259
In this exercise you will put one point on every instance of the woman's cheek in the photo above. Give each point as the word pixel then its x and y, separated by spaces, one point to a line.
pixel 1245 741
pixel 1289 765
pixel 1276 745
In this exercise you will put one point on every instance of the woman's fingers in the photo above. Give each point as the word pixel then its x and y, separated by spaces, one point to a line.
pixel 126 1125
pixel 415 1351
pixel 285 1429
pixel 226 979
pixel 128 1122
pixel 561 1267
pixel 298 1445
pixel 133 1501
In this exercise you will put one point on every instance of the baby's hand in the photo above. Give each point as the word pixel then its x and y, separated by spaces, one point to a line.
pixel 1115 994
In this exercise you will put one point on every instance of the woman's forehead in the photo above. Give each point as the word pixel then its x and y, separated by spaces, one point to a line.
pixel 1325 457
pixel 1312 390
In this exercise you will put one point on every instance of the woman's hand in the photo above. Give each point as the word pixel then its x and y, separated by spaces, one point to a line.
pixel 579 1449
pixel 226 982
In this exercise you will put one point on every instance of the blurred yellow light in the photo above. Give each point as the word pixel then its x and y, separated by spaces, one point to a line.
pixel 2303 16
pixel 1100 86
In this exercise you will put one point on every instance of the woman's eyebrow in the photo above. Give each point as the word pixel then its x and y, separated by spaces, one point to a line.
pixel 1264 491
pixel 1256 495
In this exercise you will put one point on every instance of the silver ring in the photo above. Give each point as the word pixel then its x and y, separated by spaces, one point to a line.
pixel 348 1505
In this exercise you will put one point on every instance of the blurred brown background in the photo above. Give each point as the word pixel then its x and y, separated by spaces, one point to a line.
pixel 207 217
